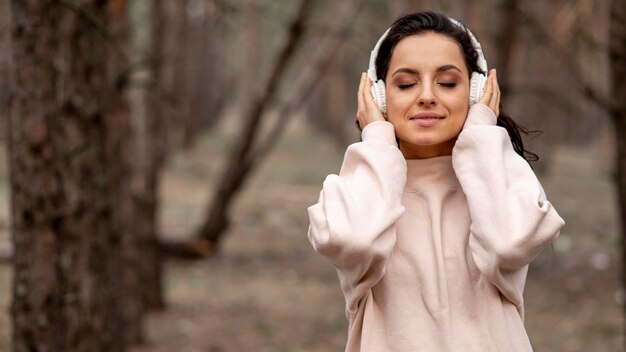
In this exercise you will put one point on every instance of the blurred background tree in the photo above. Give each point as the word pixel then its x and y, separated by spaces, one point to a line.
pixel 69 128
pixel 617 55
pixel 138 130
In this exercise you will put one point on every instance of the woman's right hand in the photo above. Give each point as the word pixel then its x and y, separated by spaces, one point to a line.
pixel 367 110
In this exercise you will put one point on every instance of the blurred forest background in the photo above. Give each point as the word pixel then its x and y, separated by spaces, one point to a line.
pixel 157 158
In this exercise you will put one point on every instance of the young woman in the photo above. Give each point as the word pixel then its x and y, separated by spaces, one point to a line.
pixel 435 214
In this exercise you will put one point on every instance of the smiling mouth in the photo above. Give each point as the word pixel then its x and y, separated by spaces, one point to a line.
pixel 426 117
pixel 426 120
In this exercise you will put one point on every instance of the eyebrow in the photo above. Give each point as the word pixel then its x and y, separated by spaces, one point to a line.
pixel 439 69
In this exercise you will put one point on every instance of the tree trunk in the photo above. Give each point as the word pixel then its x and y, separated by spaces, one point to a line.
pixel 142 259
pixel 238 169
pixel 251 149
pixel 617 59
pixel 251 40
pixel 211 99
pixel 474 19
pixel 507 40
pixel 329 107
pixel 155 151
pixel 195 91
pixel 68 135
pixel 5 40
pixel 176 75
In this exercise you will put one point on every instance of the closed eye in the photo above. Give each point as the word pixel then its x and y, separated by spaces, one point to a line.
pixel 448 85
pixel 406 86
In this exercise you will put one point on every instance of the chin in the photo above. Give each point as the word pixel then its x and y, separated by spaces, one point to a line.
pixel 426 139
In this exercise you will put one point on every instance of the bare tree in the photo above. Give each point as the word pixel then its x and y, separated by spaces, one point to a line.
pixel 507 39
pixel 143 266
pixel 173 79
pixel 252 145
pixel 617 59
pixel 5 39
pixel 68 135
pixel 232 179
pixel 154 151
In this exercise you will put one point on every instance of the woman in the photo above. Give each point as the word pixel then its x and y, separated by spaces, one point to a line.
pixel 435 214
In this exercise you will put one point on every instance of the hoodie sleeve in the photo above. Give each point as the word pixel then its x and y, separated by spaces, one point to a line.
pixel 353 223
pixel 511 219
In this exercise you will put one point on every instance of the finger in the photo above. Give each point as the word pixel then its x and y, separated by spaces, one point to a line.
pixel 495 99
pixel 370 110
pixel 498 94
pixel 360 101
pixel 494 94
pixel 365 106
pixel 369 98
pixel 486 97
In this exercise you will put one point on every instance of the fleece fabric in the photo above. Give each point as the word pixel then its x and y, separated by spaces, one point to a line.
pixel 432 254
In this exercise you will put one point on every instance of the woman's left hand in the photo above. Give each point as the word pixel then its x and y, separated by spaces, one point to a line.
pixel 491 97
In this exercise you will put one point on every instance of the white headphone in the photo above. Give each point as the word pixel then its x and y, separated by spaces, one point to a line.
pixel 477 81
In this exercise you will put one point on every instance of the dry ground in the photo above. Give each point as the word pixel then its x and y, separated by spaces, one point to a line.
pixel 268 291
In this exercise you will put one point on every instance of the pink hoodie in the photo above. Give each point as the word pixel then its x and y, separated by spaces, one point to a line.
pixel 432 254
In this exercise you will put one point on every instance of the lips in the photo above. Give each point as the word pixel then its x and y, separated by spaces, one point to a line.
pixel 426 119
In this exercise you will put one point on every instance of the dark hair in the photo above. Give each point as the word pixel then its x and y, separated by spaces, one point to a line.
pixel 427 21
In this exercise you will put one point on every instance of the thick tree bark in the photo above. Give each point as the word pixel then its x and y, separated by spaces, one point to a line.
pixel 69 176
pixel 617 59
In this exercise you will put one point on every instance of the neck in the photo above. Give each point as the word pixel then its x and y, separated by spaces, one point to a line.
pixel 412 151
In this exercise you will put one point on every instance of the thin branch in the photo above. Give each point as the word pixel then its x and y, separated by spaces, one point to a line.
pixel 310 79
pixel 233 177
pixel 542 36
pixel 261 100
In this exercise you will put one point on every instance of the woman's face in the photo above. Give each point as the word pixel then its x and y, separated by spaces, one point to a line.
pixel 427 91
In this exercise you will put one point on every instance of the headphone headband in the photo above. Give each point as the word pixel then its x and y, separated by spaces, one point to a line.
pixel 371 71
pixel 482 63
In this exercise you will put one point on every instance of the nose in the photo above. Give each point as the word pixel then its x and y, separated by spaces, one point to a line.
pixel 426 97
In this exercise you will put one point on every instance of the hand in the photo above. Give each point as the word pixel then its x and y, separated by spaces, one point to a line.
pixel 367 110
pixel 491 97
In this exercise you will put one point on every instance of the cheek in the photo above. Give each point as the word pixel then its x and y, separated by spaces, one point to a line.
pixel 459 115
pixel 398 105
pixel 458 105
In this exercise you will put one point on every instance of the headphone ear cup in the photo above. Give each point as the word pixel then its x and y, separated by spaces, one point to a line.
pixel 477 87
pixel 378 92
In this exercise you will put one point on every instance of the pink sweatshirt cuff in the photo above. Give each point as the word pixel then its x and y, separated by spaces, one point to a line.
pixel 480 114
pixel 379 131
